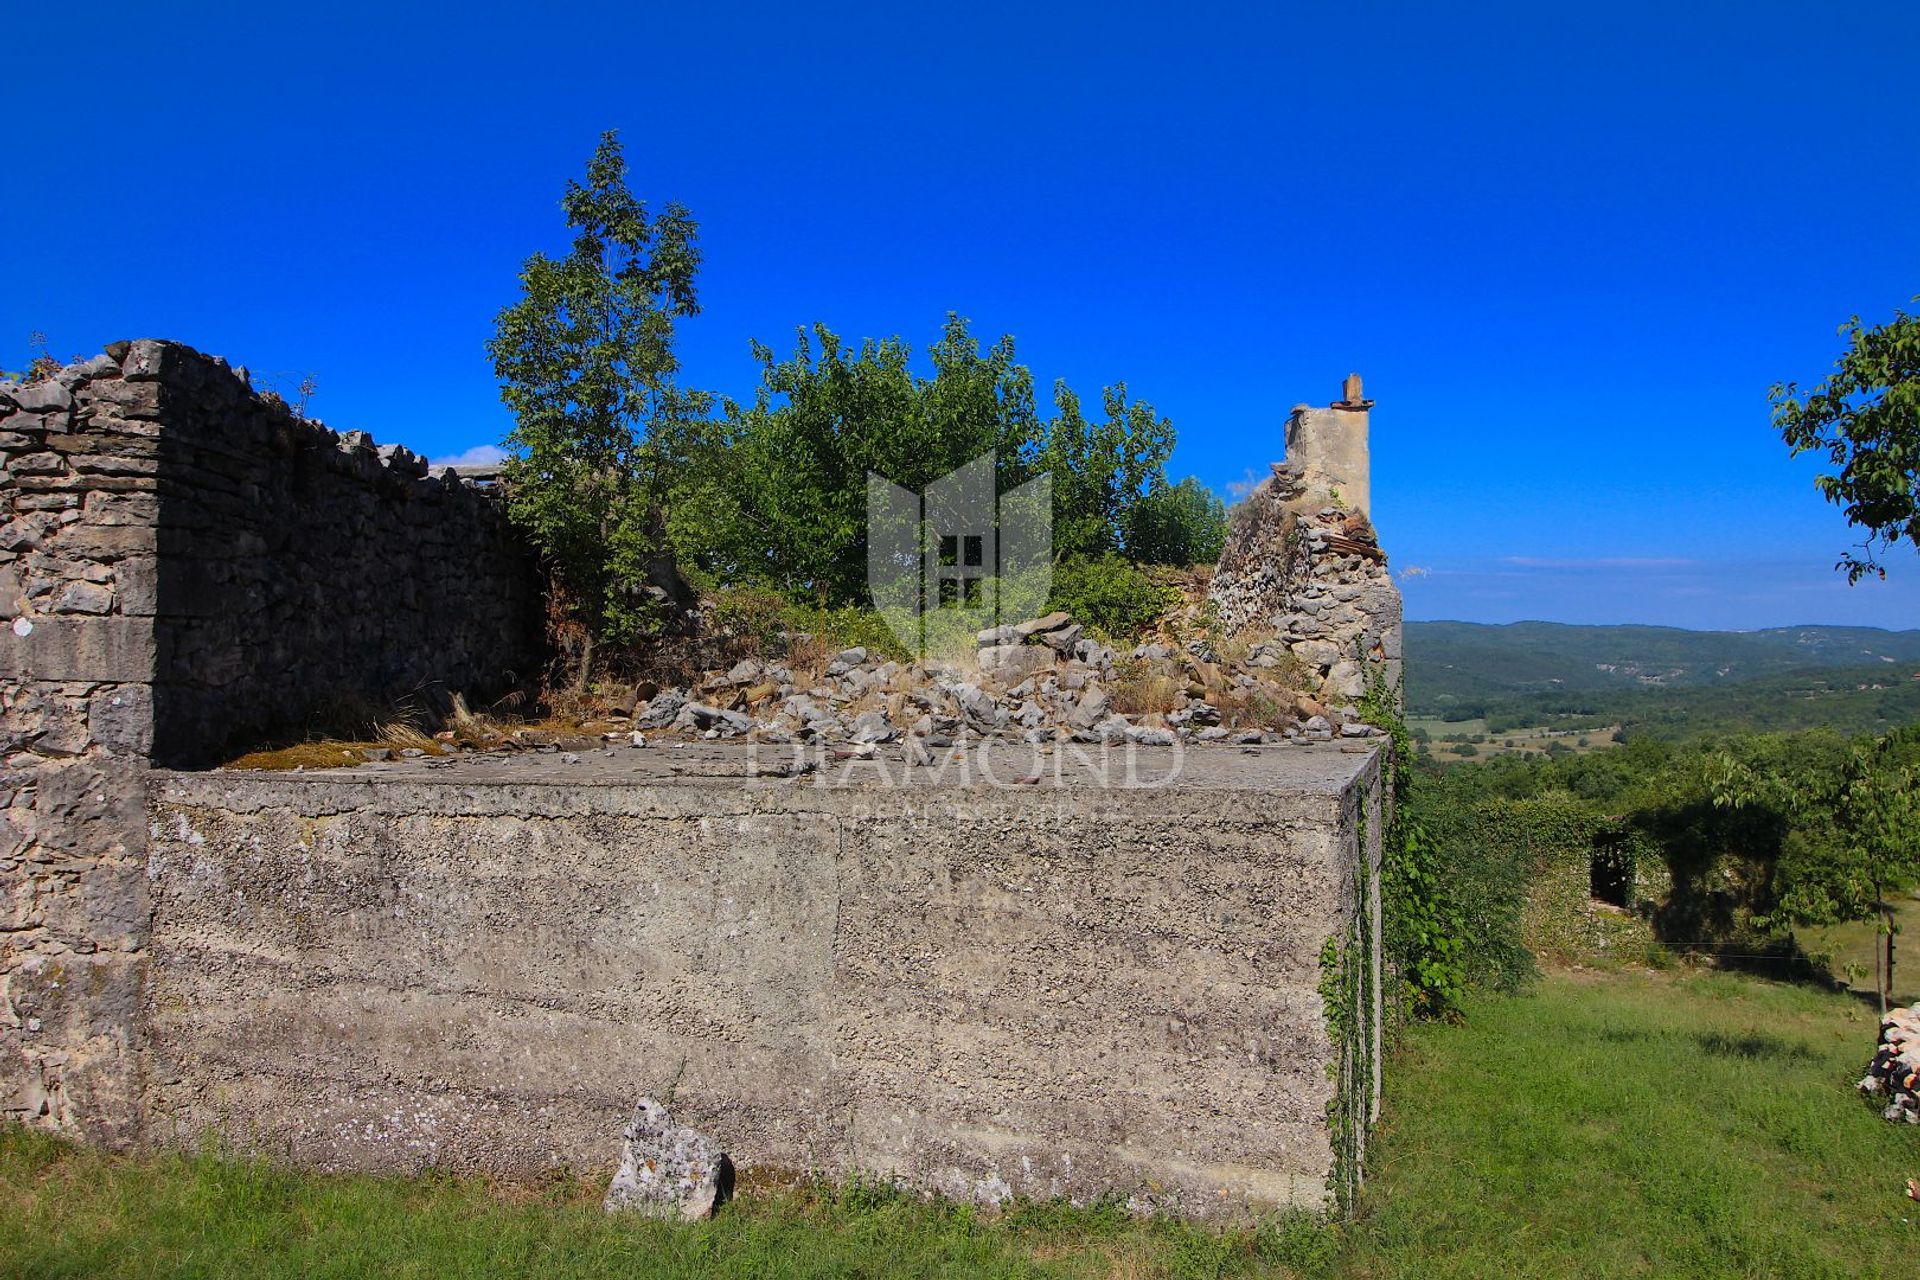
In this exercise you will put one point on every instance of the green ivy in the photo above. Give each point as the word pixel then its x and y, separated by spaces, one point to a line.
pixel 1425 928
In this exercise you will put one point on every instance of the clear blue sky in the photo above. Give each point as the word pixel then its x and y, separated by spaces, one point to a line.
pixel 1569 247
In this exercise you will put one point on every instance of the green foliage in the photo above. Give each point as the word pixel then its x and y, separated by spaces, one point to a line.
pixel 622 479
pixel 1184 523
pixel 585 361
pixel 1450 909
pixel 1111 594
pixel 1864 417
pixel 780 497
pixel 1758 834
pixel 769 620
pixel 781 500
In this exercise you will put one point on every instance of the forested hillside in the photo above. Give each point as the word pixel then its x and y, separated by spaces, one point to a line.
pixel 1663 679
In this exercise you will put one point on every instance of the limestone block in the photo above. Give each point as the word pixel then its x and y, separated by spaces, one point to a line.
pixel 666 1170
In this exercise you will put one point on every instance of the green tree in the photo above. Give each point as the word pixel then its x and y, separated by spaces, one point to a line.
pixel 1102 470
pixel 1183 523
pixel 781 498
pixel 1859 844
pixel 586 362
pixel 1865 417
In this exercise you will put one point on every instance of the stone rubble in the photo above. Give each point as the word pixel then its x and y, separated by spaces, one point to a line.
pixel 1042 680
pixel 1895 1071
pixel 1305 581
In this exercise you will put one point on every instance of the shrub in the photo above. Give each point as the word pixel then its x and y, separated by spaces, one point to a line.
pixel 1183 523
pixel 1111 594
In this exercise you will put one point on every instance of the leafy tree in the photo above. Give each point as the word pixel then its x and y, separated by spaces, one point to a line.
pixel 1856 845
pixel 1183 523
pixel 781 498
pixel 1865 417
pixel 586 362
pixel 1102 471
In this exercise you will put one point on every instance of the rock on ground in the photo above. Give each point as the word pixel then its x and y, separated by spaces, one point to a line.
pixel 666 1170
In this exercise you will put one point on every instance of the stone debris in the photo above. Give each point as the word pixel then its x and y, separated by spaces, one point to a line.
pixel 1041 680
pixel 1306 584
pixel 666 1170
pixel 1894 1073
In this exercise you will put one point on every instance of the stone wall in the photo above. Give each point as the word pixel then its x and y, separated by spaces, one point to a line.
pixel 1302 572
pixel 1069 989
pixel 185 567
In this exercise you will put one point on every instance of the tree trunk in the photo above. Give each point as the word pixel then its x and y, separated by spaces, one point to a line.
pixel 1887 994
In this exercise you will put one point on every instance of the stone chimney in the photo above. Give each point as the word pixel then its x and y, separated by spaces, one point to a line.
pixel 1328 447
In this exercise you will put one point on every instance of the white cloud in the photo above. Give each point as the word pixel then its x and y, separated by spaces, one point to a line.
pixel 481 455
pixel 1238 489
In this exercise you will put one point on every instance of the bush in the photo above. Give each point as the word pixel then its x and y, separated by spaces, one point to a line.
pixel 1183 523
pixel 1111 595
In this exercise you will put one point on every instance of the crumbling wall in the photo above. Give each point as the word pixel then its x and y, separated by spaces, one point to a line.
pixel 78 574
pixel 183 566
pixel 1303 574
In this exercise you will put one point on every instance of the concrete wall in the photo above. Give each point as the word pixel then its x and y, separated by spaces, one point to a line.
pixel 185 566
pixel 984 990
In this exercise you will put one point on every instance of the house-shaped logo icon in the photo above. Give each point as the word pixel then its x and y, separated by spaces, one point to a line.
pixel 960 558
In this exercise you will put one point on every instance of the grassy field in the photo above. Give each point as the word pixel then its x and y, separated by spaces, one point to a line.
pixel 1626 1124
pixel 1858 942
pixel 1532 740
pixel 1640 1124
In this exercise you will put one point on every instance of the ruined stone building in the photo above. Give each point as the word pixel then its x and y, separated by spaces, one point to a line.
pixel 1160 980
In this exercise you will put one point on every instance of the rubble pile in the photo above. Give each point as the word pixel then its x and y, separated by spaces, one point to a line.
pixel 1041 680
pixel 1895 1071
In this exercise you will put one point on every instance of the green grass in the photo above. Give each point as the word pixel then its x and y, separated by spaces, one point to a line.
pixel 1622 1124
pixel 1635 1124
pixel 1860 941
pixel 70 1212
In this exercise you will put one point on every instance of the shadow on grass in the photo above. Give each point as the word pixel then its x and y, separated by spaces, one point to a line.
pixel 1753 1046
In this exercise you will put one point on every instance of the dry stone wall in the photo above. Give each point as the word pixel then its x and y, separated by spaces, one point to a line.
pixel 184 567
pixel 1307 580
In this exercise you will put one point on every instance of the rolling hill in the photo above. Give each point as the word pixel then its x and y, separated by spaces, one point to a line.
pixel 1543 672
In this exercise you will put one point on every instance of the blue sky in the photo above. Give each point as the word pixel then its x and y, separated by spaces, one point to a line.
pixel 1569 247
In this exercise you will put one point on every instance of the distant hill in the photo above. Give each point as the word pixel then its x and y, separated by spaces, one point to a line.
pixel 1460 670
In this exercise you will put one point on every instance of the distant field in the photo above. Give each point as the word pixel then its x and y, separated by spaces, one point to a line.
pixel 1603 1125
pixel 1531 740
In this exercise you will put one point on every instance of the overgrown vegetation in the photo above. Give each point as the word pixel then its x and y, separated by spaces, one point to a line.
pixel 625 481
pixel 1760 834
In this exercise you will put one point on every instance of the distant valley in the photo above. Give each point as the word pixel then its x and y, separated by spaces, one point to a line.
pixel 1663 680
